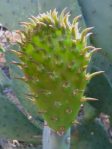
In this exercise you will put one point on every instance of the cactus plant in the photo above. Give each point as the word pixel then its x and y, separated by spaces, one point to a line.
pixel 98 88
pixel 51 46
pixel 54 57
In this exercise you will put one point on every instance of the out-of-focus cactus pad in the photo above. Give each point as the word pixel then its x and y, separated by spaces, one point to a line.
pixel 90 135
pixel 13 124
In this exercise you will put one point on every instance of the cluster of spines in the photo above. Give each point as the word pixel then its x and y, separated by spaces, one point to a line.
pixel 46 21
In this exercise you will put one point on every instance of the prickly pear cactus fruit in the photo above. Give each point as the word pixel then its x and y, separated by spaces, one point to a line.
pixel 54 56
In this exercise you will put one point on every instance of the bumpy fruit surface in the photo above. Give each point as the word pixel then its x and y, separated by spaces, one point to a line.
pixel 54 56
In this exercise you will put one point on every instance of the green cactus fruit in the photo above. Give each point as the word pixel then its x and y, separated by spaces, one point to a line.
pixel 54 56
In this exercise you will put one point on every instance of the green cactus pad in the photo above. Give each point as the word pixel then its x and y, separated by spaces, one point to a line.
pixel 90 135
pixel 54 56
pixel 14 125
pixel 100 88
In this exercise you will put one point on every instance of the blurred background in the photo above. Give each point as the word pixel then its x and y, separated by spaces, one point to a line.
pixel 12 12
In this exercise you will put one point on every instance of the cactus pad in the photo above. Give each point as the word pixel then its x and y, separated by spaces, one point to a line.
pixel 54 56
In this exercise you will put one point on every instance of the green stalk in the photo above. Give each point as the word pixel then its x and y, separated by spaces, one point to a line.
pixel 52 140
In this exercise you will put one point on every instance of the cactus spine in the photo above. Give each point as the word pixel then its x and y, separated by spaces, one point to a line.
pixel 54 56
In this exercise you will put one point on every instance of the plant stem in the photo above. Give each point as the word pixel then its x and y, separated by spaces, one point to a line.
pixel 51 140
